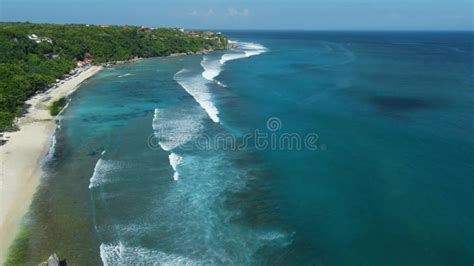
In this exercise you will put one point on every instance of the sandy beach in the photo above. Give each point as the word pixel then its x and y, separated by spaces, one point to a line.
pixel 21 156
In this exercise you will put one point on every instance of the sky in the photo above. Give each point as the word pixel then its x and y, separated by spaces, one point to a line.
pixel 251 14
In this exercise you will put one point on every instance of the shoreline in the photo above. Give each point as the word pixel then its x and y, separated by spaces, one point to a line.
pixel 23 150
pixel 22 153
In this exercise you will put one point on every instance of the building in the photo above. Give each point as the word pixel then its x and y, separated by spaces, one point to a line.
pixel 39 39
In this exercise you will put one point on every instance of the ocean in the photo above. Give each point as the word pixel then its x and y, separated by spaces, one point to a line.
pixel 292 148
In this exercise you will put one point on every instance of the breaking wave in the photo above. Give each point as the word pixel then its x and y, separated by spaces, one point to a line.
pixel 119 254
pixel 197 88
pixel 212 68
pixel 125 75
pixel 52 149
pixel 99 172
pixel 175 160
pixel 173 129
pixel 103 168
pixel 243 50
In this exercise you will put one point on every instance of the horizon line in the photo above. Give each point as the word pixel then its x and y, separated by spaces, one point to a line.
pixel 256 29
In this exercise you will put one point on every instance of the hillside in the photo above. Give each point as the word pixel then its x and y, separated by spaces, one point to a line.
pixel 33 56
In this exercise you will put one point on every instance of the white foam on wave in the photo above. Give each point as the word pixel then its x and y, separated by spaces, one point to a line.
pixel 212 68
pixel 98 175
pixel 252 53
pixel 119 254
pixel 252 49
pixel 52 149
pixel 125 75
pixel 175 160
pixel 155 117
pixel 276 237
pixel 172 129
pixel 59 115
pixel 200 92
pixel 164 146
pixel 243 50
pixel 101 169
pixel 251 46
pixel 232 56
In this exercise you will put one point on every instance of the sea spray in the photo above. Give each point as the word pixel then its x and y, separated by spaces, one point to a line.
pixel 175 160
pixel 124 75
pixel 157 129
pixel 190 214
pixel 232 56
pixel 104 169
pixel 252 49
pixel 212 68
pixel 158 133
pixel 243 50
pixel 120 254
pixel 101 168
pixel 172 129
pixel 52 149
pixel 197 88
pixel 95 180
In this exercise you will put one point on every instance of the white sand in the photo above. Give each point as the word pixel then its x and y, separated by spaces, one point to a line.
pixel 20 158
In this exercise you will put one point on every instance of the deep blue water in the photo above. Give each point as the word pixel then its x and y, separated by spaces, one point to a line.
pixel 388 181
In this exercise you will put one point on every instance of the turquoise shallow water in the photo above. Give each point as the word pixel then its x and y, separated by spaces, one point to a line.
pixel 137 175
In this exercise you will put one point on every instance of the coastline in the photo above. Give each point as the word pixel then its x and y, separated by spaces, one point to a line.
pixel 23 150
pixel 21 156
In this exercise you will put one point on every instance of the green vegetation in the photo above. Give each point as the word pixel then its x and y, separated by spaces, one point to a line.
pixel 17 251
pixel 33 56
pixel 56 107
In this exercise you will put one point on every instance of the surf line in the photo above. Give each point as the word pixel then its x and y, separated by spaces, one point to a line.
pixel 174 159
pixel 197 88
pixel 95 181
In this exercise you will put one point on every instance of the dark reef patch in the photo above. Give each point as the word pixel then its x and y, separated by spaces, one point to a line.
pixel 308 67
pixel 398 103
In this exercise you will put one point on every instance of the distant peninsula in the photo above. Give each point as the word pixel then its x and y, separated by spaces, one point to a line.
pixel 35 56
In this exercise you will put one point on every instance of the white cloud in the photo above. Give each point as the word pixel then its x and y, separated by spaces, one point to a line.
pixel 232 12
pixel 207 13
pixel 210 12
